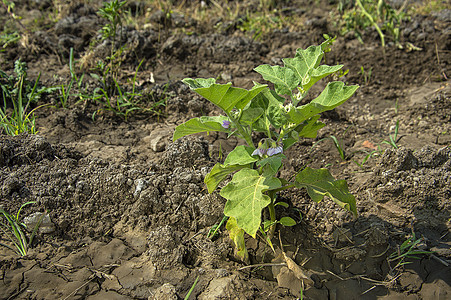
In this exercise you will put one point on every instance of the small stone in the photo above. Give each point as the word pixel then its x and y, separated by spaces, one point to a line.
pixel 46 225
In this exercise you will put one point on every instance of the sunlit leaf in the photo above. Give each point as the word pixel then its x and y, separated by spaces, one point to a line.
pixel 245 198
pixel 333 95
pixel 224 96
pixel 202 124
pixel 241 155
pixel 320 183
pixel 284 79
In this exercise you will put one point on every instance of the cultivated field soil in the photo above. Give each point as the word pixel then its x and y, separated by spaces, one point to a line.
pixel 126 211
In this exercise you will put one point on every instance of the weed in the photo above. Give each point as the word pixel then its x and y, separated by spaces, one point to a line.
pixel 7 39
pixel 14 230
pixel 255 181
pixel 337 144
pixel 366 75
pixel 65 90
pixel 20 93
pixel 359 15
pixel 123 103
pixel 393 138
pixel 213 232
pixel 111 11
pixel 407 250
pixel 191 289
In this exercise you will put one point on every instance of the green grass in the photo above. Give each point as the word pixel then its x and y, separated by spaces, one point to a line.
pixel 14 231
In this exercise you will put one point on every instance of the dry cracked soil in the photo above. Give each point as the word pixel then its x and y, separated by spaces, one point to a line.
pixel 126 210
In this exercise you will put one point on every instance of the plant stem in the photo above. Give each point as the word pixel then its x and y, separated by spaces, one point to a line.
pixel 272 215
pixel 246 136
pixel 372 22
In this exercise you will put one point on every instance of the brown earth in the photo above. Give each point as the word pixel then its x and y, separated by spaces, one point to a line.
pixel 129 212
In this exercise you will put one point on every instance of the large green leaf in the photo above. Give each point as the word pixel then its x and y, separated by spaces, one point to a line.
pixel 304 61
pixel 284 79
pixel 238 158
pixel 241 155
pixel 274 115
pixel 320 183
pixel 224 96
pixel 332 96
pixel 314 75
pixel 218 173
pixel 306 66
pixel 202 124
pixel 250 115
pixel 245 198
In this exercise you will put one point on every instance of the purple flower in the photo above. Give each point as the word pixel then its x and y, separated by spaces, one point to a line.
pixel 259 151
pixel 225 124
pixel 274 151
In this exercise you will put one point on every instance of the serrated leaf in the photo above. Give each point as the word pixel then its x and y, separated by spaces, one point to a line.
pixel 332 96
pixel 236 234
pixel 241 155
pixel 245 198
pixel 320 183
pixel 287 221
pixel 202 124
pixel 224 96
pixel 284 79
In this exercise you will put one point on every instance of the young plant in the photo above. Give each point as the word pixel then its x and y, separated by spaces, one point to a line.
pixel 337 145
pixel 21 94
pixel 407 250
pixel 366 74
pixel 122 104
pixel 361 14
pixel 14 230
pixel 112 12
pixel 255 182
pixel 65 90
pixel 393 138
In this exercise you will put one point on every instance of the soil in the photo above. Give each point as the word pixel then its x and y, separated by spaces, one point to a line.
pixel 128 212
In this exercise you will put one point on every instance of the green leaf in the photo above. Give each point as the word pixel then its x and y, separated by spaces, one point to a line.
pixel 224 96
pixel 241 155
pixel 199 82
pixel 284 79
pixel 274 115
pixel 314 75
pixel 202 124
pixel 274 162
pixel 236 234
pixel 306 61
pixel 250 115
pixel 320 183
pixel 218 173
pixel 287 221
pixel 245 198
pixel 332 96
pixel 284 204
